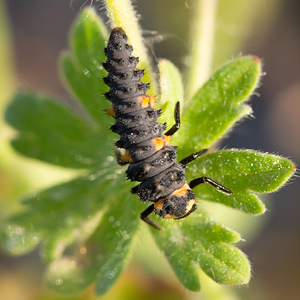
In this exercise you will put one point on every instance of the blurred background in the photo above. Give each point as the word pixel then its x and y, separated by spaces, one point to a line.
pixel 32 35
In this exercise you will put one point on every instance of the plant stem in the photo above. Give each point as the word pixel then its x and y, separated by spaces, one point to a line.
pixel 122 14
pixel 201 44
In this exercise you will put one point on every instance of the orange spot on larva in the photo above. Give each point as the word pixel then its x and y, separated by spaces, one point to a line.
pixel 181 192
pixel 147 101
pixel 159 204
pixel 161 141
pixel 111 112
pixel 144 101
pixel 158 143
pixel 169 216
pixel 189 205
pixel 126 157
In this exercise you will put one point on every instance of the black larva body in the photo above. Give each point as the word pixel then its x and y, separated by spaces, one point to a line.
pixel 152 160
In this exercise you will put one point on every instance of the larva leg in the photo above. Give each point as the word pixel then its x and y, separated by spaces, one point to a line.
pixel 176 126
pixel 144 217
pixel 204 179
pixel 193 156
pixel 135 189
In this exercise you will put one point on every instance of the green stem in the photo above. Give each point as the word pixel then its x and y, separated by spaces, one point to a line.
pixel 201 45
pixel 122 14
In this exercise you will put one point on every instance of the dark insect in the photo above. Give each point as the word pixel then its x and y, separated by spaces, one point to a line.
pixel 152 159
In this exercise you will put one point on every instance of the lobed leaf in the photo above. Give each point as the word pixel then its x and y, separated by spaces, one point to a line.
pixel 199 240
pixel 18 234
pixel 82 68
pixel 59 215
pixel 218 104
pixel 105 253
pixel 86 232
pixel 244 172
pixel 115 235
pixel 87 39
pixel 52 133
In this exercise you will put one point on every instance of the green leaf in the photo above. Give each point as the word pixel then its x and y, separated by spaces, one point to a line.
pixel 218 104
pixel 82 68
pixel 52 133
pixel 85 231
pixel 199 240
pixel 115 237
pixel 105 253
pixel 88 38
pixel 59 215
pixel 244 172
pixel 171 90
pixel 18 236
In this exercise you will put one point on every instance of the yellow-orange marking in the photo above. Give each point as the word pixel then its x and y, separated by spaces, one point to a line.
pixel 111 112
pixel 189 205
pixel 147 101
pixel 181 191
pixel 168 216
pixel 126 157
pixel 161 141
pixel 159 204
pixel 158 143
pixel 144 101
